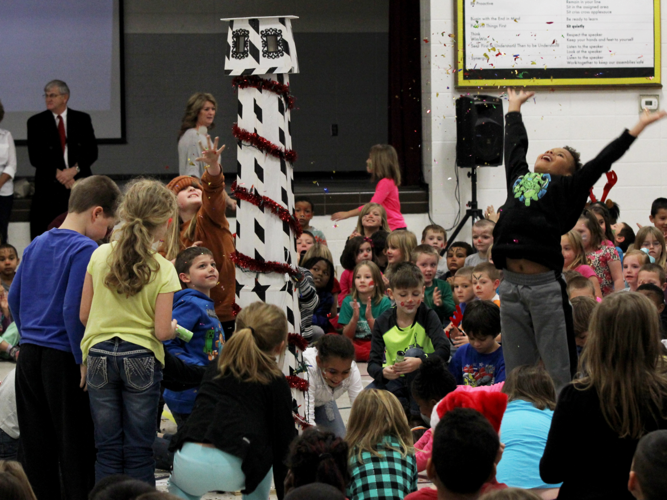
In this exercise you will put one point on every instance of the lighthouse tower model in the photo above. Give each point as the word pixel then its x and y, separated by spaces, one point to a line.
pixel 260 54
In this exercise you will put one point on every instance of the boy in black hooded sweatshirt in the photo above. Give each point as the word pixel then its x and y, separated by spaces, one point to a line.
pixel 541 206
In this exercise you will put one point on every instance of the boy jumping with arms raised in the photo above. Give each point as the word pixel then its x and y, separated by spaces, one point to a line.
pixel 536 315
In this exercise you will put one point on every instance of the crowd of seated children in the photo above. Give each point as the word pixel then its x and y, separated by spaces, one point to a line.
pixel 480 361
pixel 602 256
pixel 531 400
pixel 372 218
pixel 632 263
pixel 574 258
pixel 582 310
pixel 456 258
pixel 482 239
pixel 356 249
pixel 305 210
pixel 409 331
pixel 362 307
pixel 437 293
pixel 652 240
pixel 485 282
pixel 331 373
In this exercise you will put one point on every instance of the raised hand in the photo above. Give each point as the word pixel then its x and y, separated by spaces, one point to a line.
pixel 646 118
pixel 355 309
pixel 369 312
pixel 516 99
pixel 210 154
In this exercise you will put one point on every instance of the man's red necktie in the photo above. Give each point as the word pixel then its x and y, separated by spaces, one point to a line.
pixel 61 131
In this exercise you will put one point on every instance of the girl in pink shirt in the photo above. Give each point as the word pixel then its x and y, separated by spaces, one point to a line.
pixel 382 164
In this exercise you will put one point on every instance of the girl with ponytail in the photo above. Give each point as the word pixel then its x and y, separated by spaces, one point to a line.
pixel 126 305
pixel 241 426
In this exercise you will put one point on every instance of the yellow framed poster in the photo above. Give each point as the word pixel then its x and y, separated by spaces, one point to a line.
pixel 558 42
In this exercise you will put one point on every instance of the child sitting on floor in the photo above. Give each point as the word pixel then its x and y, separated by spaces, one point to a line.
pixel 360 309
pixel 485 281
pixel 578 286
pixel 303 243
pixel 382 460
pixel 437 293
pixel 332 372
pixel 574 258
pixel 603 257
pixel 456 258
pixel 436 236
pixel 651 239
pixel 9 261
pixel 322 271
pixel 432 383
pixel 632 263
pixel 624 236
pixel 356 249
pixel 582 310
pixel 404 336
pixel 194 310
pixel 304 208
pixel 480 362
pixel 482 239
pixel 372 218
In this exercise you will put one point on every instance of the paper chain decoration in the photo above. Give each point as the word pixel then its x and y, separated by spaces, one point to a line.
pixel 243 82
pixel 612 179
pixel 264 201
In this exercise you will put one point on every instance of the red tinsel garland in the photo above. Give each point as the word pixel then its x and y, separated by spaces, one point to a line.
pixel 297 340
pixel 264 201
pixel 243 82
pixel 297 383
pixel 245 262
pixel 263 145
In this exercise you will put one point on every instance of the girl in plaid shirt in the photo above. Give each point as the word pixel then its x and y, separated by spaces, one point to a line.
pixel 382 458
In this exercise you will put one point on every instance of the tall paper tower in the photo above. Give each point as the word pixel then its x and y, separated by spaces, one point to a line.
pixel 261 53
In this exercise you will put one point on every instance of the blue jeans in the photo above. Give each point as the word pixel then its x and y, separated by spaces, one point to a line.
pixel 124 388
pixel 199 469
pixel 402 386
pixel 329 418
pixel 8 445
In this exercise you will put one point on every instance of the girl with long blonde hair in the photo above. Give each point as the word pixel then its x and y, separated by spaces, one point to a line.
pixel 380 444
pixel 620 395
pixel 126 305
pixel 382 164
pixel 242 425
pixel 372 218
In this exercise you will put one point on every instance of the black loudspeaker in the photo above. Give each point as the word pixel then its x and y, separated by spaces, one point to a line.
pixel 479 131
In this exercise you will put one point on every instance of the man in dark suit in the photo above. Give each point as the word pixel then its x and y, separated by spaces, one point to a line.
pixel 62 148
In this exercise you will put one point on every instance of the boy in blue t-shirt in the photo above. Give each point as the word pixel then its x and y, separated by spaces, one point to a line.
pixel 481 361
pixel 194 310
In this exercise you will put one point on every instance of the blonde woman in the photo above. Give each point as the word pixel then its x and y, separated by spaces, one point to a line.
pixel 381 448
pixel 196 124
pixel 241 426
pixel 620 396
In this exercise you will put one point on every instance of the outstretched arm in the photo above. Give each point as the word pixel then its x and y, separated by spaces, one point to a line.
pixel 516 99
pixel 646 119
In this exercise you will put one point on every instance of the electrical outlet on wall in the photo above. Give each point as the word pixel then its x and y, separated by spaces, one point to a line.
pixel 650 102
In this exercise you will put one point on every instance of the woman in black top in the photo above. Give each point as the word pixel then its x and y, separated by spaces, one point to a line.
pixel 241 425
pixel 621 396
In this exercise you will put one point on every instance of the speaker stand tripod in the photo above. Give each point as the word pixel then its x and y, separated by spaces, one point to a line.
pixel 473 212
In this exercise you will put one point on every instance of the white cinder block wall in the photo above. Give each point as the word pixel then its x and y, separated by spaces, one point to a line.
pixel 586 119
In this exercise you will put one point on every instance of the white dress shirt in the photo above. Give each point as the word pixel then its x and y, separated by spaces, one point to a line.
pixel 7 161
